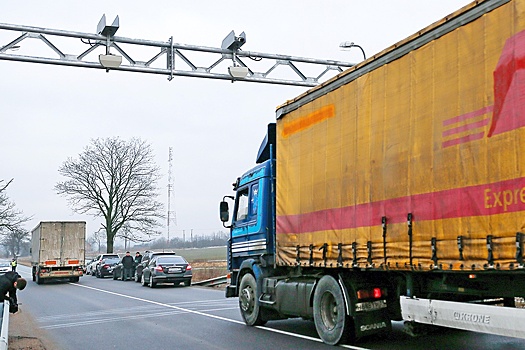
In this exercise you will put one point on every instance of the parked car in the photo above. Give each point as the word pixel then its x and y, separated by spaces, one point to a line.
pixel 105 267
pixel 86 267
pixel 145 260
pixel 5 266
pixel 167 269
pixel 92 268
pixel 118 271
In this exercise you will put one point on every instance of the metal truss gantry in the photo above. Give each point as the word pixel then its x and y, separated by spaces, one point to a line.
pixel 173 53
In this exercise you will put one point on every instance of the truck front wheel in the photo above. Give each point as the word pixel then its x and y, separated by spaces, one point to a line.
pixel 333 325
pixel 250 310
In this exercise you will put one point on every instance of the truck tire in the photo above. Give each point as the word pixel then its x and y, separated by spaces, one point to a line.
pixel 38 279
pixel 74 279
pixel 333 325
pixel 248 303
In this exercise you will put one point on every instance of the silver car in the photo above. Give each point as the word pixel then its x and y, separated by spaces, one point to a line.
pixel 5 266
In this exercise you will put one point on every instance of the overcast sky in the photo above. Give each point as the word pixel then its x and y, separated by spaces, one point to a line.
pixel 49 113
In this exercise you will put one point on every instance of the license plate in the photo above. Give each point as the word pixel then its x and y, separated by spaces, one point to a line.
pixel 370 306
pixel 174 270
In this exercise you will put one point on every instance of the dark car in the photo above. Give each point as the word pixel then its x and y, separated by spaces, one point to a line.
pixel 118 271
pixel 145 260
pixel 167 269
pixel 93 266
pixel 105 267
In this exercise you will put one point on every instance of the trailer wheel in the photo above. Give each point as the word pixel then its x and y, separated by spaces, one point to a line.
pixel 38 279
pixel 74 279
pixel 250 310
pixel 333 325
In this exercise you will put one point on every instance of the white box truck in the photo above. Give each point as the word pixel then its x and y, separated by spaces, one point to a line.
pixel 58 250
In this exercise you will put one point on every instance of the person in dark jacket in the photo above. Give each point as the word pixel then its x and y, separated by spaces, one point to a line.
pixel 9 283
pixel 138 259
pixel 127 266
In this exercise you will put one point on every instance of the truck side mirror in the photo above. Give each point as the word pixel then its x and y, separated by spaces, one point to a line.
pixel 224 211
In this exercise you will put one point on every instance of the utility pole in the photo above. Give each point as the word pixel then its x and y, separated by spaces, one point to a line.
pixel 170 190
pixel 174 54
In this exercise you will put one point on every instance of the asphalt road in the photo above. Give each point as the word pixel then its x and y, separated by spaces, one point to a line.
pixel 105 314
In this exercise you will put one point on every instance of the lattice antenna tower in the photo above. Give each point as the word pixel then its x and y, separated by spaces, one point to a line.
pixel 172 216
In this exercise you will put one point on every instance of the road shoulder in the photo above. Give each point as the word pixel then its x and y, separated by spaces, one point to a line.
pixel 24 333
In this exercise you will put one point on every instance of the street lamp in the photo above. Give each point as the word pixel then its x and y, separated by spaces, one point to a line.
pixel 349 45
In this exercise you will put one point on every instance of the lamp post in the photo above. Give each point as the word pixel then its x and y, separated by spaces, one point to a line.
pixel 349 45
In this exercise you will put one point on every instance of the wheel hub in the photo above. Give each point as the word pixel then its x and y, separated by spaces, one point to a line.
pixel 246 299
pixel 329 311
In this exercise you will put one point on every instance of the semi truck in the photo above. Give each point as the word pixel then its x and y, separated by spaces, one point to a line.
pixel 394 191
pixel 58 250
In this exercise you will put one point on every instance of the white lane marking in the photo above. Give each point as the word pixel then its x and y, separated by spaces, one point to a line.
pixel 122 318
pixel 158 303
pixel 117 311
pixel 213 316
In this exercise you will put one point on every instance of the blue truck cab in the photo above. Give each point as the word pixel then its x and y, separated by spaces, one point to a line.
pixel 252 229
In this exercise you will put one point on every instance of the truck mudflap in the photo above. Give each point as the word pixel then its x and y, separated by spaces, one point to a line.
pixel 231 291
pixel 505 321
pixel 371 322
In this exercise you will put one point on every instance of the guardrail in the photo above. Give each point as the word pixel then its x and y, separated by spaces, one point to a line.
pixel 4 328
pixel 217 281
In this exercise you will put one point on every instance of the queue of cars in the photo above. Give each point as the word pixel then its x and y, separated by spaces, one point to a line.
pixel 101 265
pixel 154 268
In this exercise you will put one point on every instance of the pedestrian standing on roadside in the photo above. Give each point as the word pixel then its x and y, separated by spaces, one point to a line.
pixel 127 266
pixel 9 283
pixel 138 259
pixel 13 264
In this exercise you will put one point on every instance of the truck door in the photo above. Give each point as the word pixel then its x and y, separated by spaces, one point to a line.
pixel 248 234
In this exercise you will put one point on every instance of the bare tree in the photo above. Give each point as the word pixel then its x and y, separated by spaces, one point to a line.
pixel 14 240
pixel 96 239
pixel 117 180
pixel 11 219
